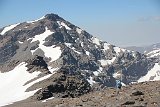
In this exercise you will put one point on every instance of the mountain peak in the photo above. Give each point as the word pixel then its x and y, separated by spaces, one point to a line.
pixel 52 54
pixel 52 16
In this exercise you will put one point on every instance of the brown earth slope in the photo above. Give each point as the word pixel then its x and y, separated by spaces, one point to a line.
pixel 145 94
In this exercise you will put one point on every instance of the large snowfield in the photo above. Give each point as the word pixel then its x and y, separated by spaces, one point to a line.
pixel 12 86
pixel 152 75
pixel 8 28
pixel 52 52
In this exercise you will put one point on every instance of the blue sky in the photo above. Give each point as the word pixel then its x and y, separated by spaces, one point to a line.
pixel 120 22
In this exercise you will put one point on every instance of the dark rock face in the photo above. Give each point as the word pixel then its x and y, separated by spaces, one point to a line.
pixel 52 17
pixel 37 64
pixel 136 93
pixel 129 103
pixel 35 31
pixel 54 39
pixel 7 51
pixel 69 58
pixel 89 65
pixel 137 69
pixel 64 86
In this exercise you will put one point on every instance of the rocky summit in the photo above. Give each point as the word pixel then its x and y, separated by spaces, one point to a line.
pixel 52 58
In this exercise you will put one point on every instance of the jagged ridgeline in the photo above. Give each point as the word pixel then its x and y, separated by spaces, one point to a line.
pixel 53 58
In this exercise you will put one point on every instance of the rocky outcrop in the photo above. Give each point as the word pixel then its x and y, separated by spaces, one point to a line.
pixel 37 64
pixel 63 86
pixel 135 95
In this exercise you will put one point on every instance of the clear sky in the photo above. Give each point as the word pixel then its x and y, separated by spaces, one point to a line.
pixel 120 22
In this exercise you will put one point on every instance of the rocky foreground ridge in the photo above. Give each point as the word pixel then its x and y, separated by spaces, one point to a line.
pixel 146 94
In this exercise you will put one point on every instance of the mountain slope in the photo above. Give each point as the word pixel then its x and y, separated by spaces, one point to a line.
pixel 63 60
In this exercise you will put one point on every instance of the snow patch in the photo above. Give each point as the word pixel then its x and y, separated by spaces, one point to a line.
pixel 117 50
pixel 90 80
pixel 95 40
pixel 117 74
pixel 73 48
pixel 12 88
pixel 53 52
pixel 82 44
pixel 52 70
pixel 98 71
pixel 36 20
pixel 123 84
pixel 48 99
pixel 106 46
pixel 6 29
pixel 87 53
pixel 124 50
pixel 68 44
pixel 20 42
pixel 134 54
pixel 79 30
pixel 153 53
pixel 63 24
pixel 152 75
pixel 107 62
pixel 38 80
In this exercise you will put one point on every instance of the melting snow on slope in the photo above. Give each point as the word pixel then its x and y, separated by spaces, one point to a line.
pixel 48 99
pixel 82 44
pixel 152 75
pixel 79 30
pixel 6 29
pixel 13 88
pixel 73 48
pixel 36 20
pixel 117 49
pixel 116 75
pixel 20 42
pixel 52 70
pixel 68 44
pixel 106 46
pixel 53 52
pixel 107 62
pixel 96 73
pixel 153 53
pixel 90 80
pixel 95 40
pixel 87 53
pixel 12 82
pixel 63 24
